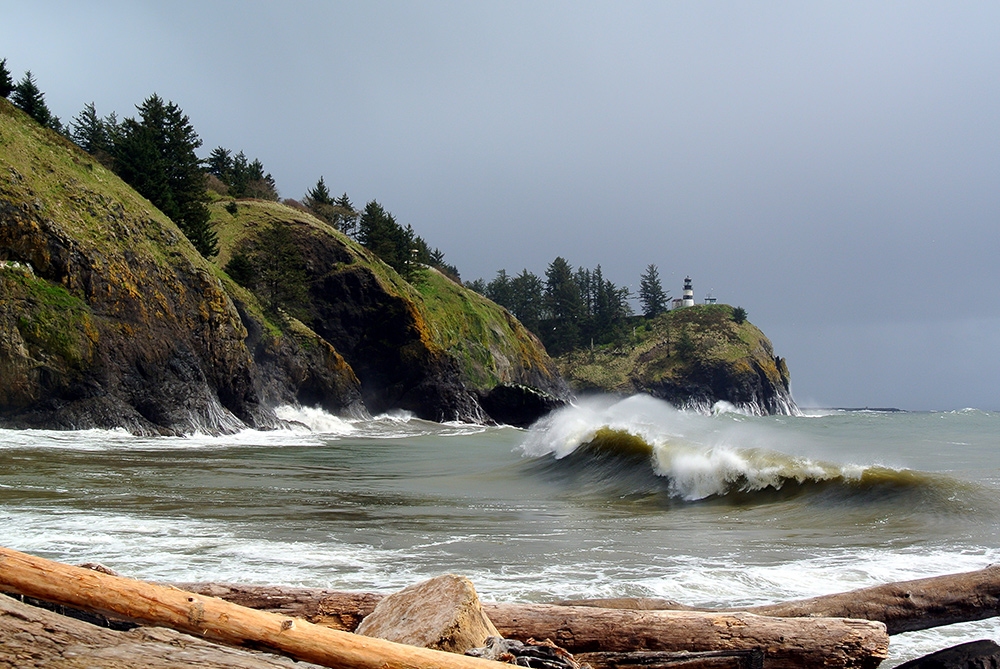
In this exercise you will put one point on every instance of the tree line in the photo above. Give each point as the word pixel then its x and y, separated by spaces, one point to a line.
pixel 571 308
pixel 155 153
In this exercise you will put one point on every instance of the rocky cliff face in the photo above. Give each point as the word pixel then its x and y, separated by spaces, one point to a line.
pixel 110 318
pixel 692 357
pixel 428 346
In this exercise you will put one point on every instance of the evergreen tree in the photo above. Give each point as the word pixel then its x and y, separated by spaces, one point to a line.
pixel 478 286
pixel 28 97
pixel 6 80
pixel 89 132
pixel 156 156
pixel 271 265
pixel 339 212
pixel 220 164
pixel 318 195
pixel 527 300
pixel 560 332
pixel 499 290
pixel 606 308
pixel 240 268
pixel 243 178
pixel 319 201
pixel 654 300
pixel 739 315
pixel 347 221
pixel 379 232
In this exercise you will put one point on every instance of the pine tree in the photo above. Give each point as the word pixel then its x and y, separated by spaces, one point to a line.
pixel 317 195
pixel 89 131
pixel 6 81
pixel 271 265
pixel 220 164
pixel 654 300
pixel 347 221
pixel 319 201
pixel 499 290
pixel 561 331
pixel 527 299
pixel 156 156
pixel 28 97
pixel 338 212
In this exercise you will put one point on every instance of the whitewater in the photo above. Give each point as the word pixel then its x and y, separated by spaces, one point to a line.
pixel 609 497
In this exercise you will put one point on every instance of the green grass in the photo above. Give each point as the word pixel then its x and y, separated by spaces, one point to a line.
pixel 46 175
pixel 483 336
pixel 653 354
pixel 55 325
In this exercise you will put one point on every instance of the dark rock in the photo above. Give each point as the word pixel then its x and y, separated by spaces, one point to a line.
pixel 534 654
pixel 983 654
pixel 518 405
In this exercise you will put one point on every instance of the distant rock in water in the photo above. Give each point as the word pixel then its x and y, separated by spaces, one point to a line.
pixel 110 318
pixel 693 357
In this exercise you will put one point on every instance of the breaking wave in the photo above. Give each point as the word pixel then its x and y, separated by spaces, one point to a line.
pixel 643 445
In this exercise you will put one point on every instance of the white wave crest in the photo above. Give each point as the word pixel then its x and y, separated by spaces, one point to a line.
pixel 316 419
pixel 701 455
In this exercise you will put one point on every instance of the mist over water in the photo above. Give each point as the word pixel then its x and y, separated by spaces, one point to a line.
pixel 607 498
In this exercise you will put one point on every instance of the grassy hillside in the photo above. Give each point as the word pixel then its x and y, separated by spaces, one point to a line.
pixel 386 327
pixel 482 335
pixel 696 354
pixel 111 318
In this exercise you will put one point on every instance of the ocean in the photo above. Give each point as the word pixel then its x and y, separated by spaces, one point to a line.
pixel 610 497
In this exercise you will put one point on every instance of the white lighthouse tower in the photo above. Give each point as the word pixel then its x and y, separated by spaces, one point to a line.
pixel 688 300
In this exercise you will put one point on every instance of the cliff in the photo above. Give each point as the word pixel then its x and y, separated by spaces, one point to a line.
pixel 427 345
pixel 692 357
pixel 110 318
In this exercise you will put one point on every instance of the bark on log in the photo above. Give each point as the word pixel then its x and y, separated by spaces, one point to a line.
pixel 32 638
pixel 336 609
pixel 786 642
pixel 906 606
pixel 214 618
pixel 732 659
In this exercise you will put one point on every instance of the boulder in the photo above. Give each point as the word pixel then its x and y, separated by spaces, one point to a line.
pixel 443 613
pixel 983 654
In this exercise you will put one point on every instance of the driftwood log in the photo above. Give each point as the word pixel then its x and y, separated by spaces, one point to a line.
pixel 785 642
pixel 830 642
pixel 214 619
pixel 33 638
pixel 906 606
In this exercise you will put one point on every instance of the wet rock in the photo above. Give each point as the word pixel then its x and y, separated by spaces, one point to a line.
pixel 518 405
pixel 983 654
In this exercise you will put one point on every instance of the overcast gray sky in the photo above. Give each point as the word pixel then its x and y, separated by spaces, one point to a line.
pixel 834 168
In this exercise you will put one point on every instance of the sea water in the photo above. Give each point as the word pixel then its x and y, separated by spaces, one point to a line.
pixel 606 498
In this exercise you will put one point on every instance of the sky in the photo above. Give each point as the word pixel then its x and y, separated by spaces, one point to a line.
pixel 832 167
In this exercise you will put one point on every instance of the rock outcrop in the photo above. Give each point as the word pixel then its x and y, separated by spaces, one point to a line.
pixel 110 318
pixel 428 345
pixel 693 357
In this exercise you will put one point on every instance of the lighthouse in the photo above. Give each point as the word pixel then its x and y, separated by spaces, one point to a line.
pixel 688 300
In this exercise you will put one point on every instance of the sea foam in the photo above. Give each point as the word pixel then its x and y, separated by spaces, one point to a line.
pixel 700 456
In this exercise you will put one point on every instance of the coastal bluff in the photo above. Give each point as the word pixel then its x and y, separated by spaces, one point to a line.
pixel 693 357
pixel 110 318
